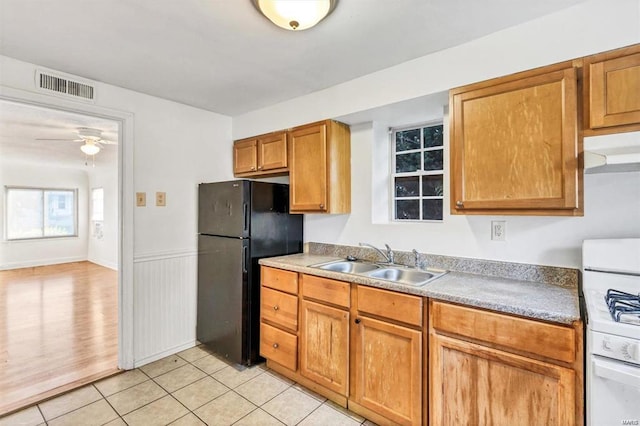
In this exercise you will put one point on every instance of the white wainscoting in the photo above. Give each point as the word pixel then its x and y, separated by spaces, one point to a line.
pixel 165 303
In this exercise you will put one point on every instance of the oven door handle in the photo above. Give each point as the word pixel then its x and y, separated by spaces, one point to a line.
pixel 617 372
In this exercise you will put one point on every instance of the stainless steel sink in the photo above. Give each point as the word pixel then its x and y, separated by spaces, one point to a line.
pixel 399 274
pixel 348 267
pixel 408 276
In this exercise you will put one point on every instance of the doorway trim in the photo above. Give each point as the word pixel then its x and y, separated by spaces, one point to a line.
pixel 126 190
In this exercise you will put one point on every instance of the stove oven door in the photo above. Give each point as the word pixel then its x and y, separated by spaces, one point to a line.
pixel 614 392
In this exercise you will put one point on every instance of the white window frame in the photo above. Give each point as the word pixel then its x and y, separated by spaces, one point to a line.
pixel 419 173
pixel 43 191
pixel 97 223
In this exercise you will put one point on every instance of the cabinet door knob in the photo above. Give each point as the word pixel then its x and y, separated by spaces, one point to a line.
pixel 459 204
pixel 357 321
pixel 275 308
pixel 322 206
pixel 253 168
pixel 275 346
pixel 259 167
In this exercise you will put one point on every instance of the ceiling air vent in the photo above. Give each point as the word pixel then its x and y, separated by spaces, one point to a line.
pixel 65 86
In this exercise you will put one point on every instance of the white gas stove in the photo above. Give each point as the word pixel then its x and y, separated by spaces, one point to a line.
pixel 611 287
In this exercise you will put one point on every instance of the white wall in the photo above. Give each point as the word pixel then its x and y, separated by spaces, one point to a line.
pixel 104 250
pixel 26 253
pixel 612 202
pixel 175 147
pixel 589 27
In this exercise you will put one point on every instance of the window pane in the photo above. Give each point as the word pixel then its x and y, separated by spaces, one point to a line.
pixel 408 186
pixel 407 162
pixel 433 160
pixel 407 139
pixel 97 204
pixel 407 209
pixel 432 186
pixel 24 213
pixel 432 136
pixel 59 213
pixel 432 209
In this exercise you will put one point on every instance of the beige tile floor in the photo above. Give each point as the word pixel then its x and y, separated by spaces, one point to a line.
pixel 192 387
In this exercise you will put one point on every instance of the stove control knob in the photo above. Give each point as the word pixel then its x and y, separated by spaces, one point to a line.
pixel 631 352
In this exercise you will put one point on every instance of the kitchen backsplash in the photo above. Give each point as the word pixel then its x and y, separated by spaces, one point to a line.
pixel 565 277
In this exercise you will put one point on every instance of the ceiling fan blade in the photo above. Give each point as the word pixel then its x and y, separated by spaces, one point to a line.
pixel 69 140
pixel 106 142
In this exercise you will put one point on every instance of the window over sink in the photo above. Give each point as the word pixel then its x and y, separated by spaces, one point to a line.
pixel 417 169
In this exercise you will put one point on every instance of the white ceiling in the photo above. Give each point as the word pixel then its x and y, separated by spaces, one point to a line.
pixel 21 125
pixel 220 55
pixel 223 56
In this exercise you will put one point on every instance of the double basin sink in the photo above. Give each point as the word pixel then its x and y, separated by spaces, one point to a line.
pixel 388 272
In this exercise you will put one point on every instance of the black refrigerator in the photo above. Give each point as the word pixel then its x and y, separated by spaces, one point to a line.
pixel 239 222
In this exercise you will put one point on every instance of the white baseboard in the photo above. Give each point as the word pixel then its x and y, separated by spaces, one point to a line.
pixel 41 262
pixel 174 350
pixel 105 263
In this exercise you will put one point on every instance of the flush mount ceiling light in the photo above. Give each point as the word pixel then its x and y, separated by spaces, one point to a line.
pixel 295 15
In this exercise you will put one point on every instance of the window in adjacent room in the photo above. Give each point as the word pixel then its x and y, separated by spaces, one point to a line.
pixel 417 173
pixel 34 213
pixel 97 212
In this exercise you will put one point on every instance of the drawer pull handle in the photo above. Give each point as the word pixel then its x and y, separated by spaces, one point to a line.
pixel 276 307
pixel 275 346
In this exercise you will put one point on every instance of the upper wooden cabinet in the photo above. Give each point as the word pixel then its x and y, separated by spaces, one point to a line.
pixel 266 154
pixel 612 91
pixel 320 168
pixel 515 145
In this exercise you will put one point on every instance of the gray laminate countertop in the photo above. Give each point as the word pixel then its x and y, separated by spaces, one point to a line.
pixel 535 300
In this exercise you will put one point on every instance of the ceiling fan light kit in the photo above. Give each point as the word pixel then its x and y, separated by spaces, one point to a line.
pixel 295 15
pixel 90 148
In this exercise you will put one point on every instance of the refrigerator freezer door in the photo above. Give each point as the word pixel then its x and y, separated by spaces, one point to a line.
pixel 223 208
pixel 223 277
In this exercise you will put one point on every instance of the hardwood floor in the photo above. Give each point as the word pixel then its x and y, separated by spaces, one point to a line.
pixel 58 330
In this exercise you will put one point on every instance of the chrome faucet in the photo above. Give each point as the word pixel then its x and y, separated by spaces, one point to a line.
pixel 388 256
pixel 416 258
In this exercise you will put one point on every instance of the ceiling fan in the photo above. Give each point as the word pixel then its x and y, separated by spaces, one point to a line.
pixel 92 139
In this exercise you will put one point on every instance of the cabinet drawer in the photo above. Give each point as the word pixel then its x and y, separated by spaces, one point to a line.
pixel 278 279
pixel 326 290
pixel 279 346
pixel 539 338
pixel 279 308
pixel 389 304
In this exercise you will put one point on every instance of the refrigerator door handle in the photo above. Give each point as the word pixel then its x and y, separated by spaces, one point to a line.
pixel 246 216
pixel 244 259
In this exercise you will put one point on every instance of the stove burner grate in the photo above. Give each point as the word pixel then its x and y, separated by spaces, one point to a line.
pixel 624 307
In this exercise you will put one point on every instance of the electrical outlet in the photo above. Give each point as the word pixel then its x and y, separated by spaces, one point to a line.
pixel 498 230
pixel 141 199
pixel 161 199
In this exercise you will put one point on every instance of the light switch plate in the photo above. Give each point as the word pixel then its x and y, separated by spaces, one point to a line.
pixel 141 199
pixel 161 199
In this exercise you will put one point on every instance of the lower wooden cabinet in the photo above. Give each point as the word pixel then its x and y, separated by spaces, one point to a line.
pixel 488 368
pixel 324 345
pixel 477 385
pixel 388 370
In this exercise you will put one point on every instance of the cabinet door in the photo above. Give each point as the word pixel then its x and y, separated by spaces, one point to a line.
pixel 272 152
pixel 472 384
pixel 514 146
pixel 308 169
pixel 388 376
pixel 245 156
pixel 324 346
pixel 614 91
